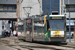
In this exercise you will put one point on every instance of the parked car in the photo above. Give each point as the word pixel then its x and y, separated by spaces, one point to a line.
pixel 72 34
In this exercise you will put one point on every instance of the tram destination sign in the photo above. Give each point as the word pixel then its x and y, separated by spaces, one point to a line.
pixel 56 17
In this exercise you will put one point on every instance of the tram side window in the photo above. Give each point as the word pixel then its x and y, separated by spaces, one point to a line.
pixel 39 24
pixel 48 27
pixel 23 28
pixel 20 28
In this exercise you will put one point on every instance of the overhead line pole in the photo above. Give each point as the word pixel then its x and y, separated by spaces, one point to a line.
pixel 69 29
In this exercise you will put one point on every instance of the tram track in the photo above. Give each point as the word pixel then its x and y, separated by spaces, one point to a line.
pixel 33 46
pixel 69 46
pixel 41 46
pixel 27 46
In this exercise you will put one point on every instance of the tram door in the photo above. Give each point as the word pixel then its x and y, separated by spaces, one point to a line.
pixel 28 29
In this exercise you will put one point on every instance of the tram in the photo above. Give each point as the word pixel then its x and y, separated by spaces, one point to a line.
pixel 48 28
pixel 20 30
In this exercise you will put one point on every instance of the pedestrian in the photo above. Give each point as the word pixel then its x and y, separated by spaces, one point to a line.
pixel 16 31
pixel 9 33
pixel 16 34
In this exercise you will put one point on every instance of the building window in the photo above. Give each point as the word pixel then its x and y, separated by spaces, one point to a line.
pixel 70 8
pixel 7 8
pixel 14 8
pixel 1 8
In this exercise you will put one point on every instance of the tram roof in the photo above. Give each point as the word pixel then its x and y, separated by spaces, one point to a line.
pixel 50 16
pixel 56 15
pixel 38 17
pixel 39 24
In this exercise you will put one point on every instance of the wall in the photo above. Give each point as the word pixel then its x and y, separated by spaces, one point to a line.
pixel 8 9
pixel 55 4
pixel 70 2
pixel 48 6
pixel 8 15
pixel 35 10
pixel 72 15
pixel 19 8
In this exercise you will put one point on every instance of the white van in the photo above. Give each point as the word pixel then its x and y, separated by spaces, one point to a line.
pixel 72 34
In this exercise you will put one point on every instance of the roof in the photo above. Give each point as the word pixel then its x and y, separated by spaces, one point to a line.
pixel 8 1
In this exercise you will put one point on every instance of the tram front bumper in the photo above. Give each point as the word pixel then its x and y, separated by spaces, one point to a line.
pixel 57 39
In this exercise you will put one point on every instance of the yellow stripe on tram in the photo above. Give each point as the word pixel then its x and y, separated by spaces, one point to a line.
pixel 45 19
pixel 57 32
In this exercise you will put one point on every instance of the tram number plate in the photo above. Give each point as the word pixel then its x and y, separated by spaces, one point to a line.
pixel 56 35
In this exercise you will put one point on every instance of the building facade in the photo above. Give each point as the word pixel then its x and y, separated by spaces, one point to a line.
pixel 29 7
pixel 38 7
pixel 8 12
pixel 51 6
pixel 70 9
pixel 8 9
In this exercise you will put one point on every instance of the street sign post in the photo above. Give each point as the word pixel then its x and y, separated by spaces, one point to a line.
pixel 69 29
pixel 0 27
pixel 74 31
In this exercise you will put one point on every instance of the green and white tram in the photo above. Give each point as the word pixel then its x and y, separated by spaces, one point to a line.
pixel 48 28
pixel 20 30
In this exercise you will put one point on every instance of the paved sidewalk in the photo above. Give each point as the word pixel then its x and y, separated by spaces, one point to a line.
pixel 3 47
pixel 71 43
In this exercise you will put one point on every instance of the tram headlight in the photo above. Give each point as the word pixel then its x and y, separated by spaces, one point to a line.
pixel 52 35
pixel 62 35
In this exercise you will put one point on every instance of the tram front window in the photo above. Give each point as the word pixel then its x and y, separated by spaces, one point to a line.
pixel 56 25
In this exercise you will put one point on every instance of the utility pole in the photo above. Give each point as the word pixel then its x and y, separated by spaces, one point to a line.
pixel 28 14
pixel 63 7
pixel 69 29
pixel 27 10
